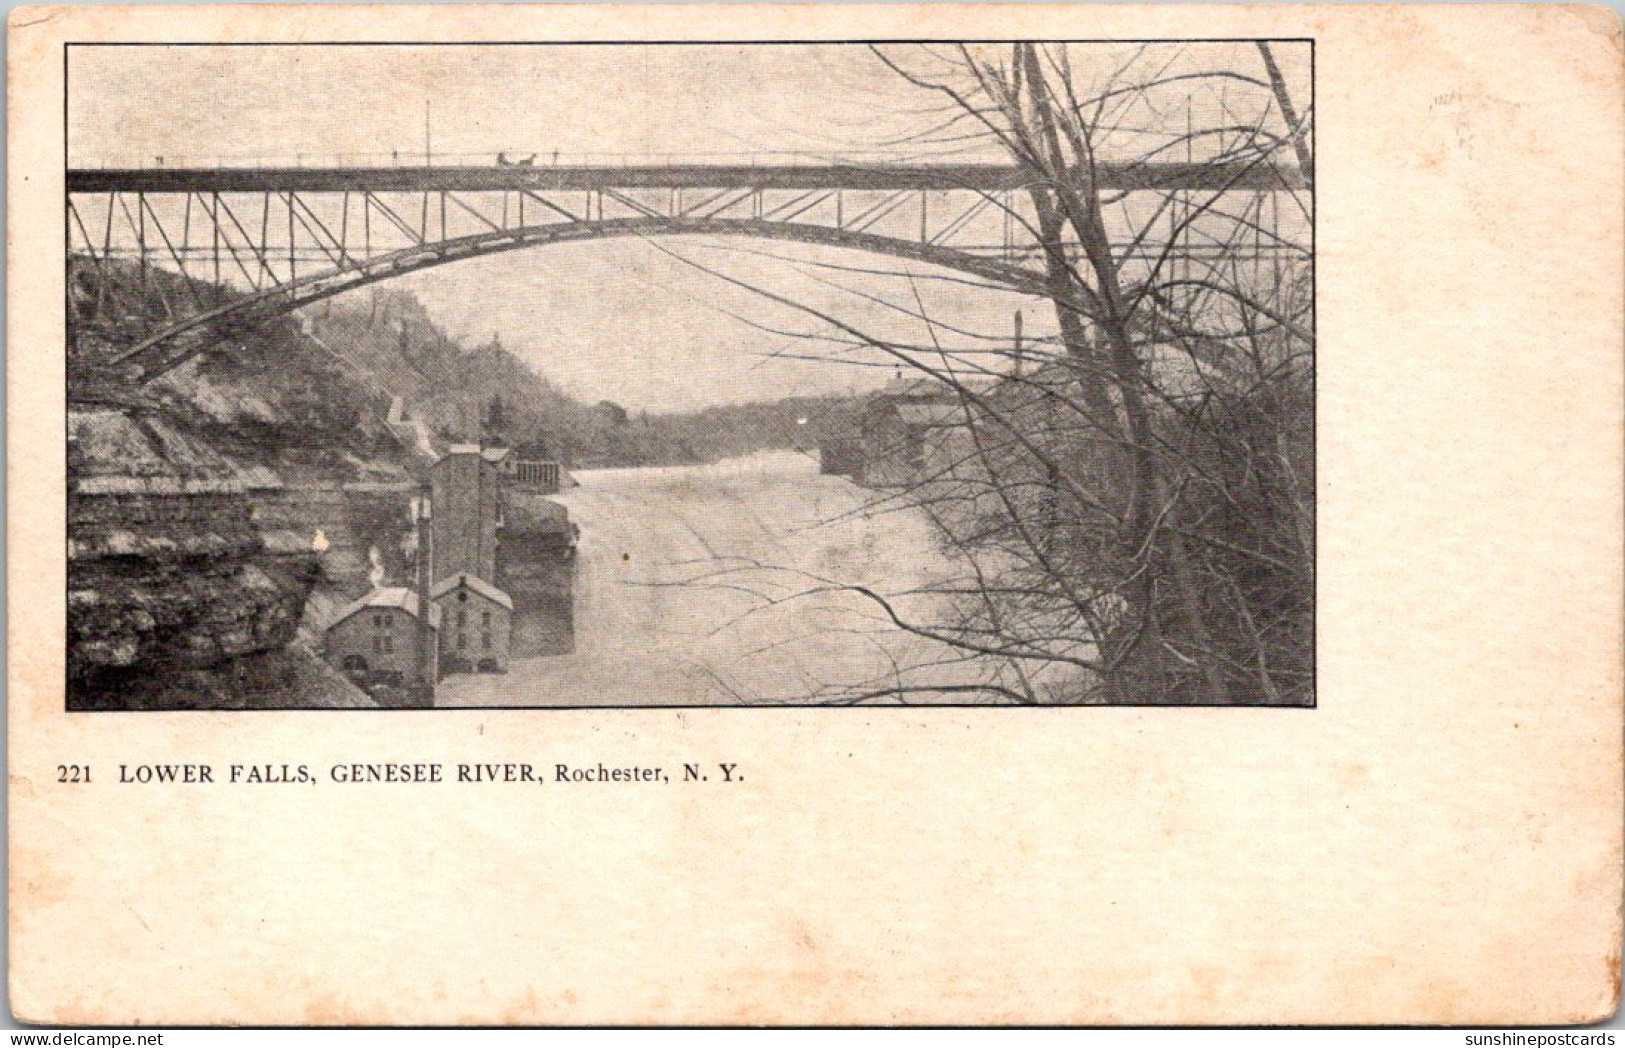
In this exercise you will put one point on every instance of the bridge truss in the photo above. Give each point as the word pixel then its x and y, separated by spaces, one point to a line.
pixel 264 242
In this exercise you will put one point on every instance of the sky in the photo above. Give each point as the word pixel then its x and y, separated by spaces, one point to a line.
pixel 623 320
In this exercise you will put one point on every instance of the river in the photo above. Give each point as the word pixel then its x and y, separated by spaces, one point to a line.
pixel 723 584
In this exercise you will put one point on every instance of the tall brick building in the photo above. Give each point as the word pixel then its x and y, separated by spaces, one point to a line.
pixel 467 500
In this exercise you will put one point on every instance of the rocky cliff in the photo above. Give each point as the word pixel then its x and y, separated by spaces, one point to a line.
pixel 169 578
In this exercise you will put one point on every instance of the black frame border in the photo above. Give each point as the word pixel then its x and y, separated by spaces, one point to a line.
pixel 1314 313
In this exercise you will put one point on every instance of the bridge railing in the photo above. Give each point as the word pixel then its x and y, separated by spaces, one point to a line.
pixel 498 158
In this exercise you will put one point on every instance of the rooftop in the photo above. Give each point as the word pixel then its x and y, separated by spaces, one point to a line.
pixel 394 598
pixel 936 414
pixel 491 455
pixel 473 582
pixel 925 386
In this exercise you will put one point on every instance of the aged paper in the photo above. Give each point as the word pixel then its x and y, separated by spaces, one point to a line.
pixel 815 515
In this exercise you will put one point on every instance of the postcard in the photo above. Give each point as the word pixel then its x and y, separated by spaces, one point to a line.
pixel 815 515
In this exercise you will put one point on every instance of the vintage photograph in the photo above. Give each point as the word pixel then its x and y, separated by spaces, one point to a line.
pixel 623 375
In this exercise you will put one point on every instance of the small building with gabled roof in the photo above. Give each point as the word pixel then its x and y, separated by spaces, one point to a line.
pixel 477 624
pixel 374 640
pixel 917 430
pixel 536 470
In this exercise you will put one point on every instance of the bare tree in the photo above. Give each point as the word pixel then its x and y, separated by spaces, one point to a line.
pixel 1165 519
pixel 1129 500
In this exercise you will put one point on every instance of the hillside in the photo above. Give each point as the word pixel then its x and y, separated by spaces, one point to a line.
pixel 486 392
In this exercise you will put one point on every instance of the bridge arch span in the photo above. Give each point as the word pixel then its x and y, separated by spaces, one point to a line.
pixel 184 339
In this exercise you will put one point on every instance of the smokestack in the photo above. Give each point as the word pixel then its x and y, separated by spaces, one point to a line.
pixel 425 565
pixel 1018 344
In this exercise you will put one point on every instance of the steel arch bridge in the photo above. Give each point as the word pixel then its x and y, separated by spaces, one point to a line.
pixel 283 238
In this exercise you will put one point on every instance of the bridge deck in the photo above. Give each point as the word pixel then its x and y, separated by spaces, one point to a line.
pixel 978 177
